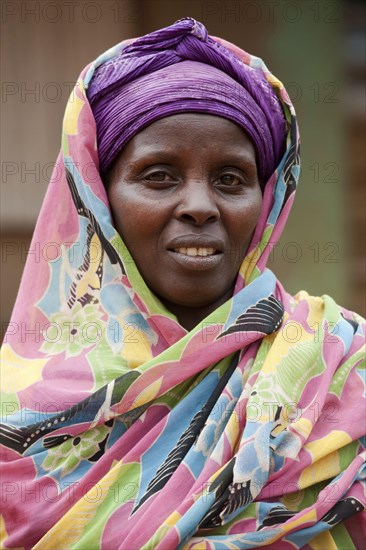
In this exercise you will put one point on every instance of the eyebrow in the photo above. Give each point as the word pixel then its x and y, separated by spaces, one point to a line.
pixel 227 157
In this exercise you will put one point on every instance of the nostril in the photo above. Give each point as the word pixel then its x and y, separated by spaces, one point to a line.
pixel 198 207
pixel 187 217
pixel 199 218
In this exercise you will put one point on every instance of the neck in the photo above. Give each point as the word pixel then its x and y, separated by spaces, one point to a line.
pixel 189 316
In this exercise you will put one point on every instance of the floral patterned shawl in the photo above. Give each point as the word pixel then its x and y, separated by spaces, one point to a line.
pixel 122 430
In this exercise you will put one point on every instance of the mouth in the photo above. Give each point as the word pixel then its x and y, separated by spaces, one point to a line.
pixel 193 251
pixel 196 252
pixel 196 245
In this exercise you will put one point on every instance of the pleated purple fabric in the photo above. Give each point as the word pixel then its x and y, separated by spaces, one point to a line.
pixel 178 71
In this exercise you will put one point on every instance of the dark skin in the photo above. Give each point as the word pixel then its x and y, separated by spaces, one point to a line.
pixel 185 197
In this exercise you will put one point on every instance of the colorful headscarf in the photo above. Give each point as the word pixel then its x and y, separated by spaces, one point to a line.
pixel 122 430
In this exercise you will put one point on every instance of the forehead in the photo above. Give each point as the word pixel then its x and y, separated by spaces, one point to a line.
pixel 187 131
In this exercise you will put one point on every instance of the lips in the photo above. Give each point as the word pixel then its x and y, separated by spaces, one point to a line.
pixel 196 245
pixel 196 252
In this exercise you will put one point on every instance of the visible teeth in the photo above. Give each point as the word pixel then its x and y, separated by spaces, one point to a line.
pixel 192 251
pixel 206 251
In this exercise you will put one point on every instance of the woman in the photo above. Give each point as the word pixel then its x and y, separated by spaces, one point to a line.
pixel 172 394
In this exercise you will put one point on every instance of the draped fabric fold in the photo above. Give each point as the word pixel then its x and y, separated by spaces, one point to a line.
pixel 120 429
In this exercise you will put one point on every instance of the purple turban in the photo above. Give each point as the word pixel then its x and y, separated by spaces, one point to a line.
pixel 181 69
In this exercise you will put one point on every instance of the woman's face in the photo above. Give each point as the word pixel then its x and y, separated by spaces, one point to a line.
pixel 185 198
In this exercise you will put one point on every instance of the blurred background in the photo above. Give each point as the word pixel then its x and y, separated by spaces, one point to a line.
pixel 317 48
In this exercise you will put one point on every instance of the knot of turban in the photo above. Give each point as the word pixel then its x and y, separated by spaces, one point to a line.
pixel 182 69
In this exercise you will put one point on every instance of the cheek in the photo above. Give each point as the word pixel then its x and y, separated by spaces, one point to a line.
pixel 136 220
pixel 256 211
pixel 125 209
pixel 122 209
pixel 246 219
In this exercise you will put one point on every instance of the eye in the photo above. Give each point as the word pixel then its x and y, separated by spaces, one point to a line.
pixel 158 175
pixel 230 180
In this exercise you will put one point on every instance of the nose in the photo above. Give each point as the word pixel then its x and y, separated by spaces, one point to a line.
pixel 197 204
